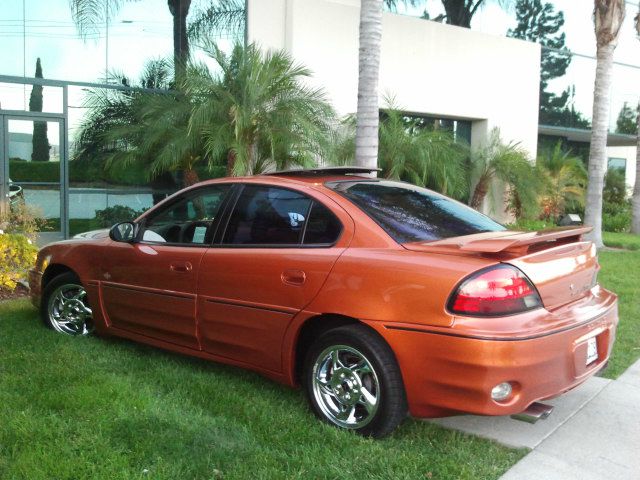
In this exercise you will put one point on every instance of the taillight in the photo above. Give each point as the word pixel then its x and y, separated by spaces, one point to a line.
pixel 499 290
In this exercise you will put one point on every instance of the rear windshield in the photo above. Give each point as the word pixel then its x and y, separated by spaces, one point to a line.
pixel 413 214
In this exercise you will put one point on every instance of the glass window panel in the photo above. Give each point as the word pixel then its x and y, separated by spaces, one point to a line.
pixel 412 214
pixel 267 216
pixel 189 220
pixel 322 226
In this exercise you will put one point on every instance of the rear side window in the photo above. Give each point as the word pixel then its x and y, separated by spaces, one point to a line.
pixel 268 216
pixel 413 214
pixel 323 227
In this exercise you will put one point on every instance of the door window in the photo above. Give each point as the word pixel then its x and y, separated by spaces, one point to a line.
pixel 272 216
pixel 268 216
pixel 323 228
pixel 189 220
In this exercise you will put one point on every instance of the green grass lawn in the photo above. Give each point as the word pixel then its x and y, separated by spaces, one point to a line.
pixel 621 273
pixel 73 408
pixel 621 240
pixel 94 408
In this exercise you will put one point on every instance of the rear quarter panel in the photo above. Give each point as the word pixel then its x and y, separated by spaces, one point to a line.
pixel 394 285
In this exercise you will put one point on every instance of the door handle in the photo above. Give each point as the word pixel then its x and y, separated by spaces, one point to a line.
pixel 180 267
pixel 293 277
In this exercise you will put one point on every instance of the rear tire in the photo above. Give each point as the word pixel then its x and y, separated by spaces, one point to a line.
pixel 65 307
pixel 353 381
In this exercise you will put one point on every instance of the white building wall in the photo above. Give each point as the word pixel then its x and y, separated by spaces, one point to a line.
pixel 429 67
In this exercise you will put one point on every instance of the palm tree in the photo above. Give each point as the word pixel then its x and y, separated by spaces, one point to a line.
pixel 425 157
pixel 227 15
pixel 410 152
pixel 159 136
pixel 635 222
pixel 509 164
pixel 257 112
pixel 368 116
pixel 564 177
pixel 608 16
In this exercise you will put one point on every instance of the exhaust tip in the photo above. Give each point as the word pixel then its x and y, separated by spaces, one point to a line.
pixel 534 412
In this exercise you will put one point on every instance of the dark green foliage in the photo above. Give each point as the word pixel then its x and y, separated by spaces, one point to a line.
pixel 563 181
pixel 104 133
pixel 412 151
pixel 257 113
pixel 618 221
pixel 538 22
pixel 39 140
pixel 616 209
pixel 509 163
pixel 615 188
pixel 627 121
pixel 116 214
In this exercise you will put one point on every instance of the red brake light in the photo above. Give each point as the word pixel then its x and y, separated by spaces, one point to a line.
pixel 500 290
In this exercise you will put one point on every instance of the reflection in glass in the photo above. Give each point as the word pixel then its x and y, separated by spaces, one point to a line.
pixel 413 214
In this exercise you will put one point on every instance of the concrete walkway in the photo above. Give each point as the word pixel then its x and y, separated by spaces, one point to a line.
pixel 593 433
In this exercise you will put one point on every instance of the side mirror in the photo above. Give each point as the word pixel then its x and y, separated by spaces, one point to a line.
pixel 123 232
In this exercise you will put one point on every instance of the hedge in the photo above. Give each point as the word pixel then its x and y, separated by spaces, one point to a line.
pixel 23 171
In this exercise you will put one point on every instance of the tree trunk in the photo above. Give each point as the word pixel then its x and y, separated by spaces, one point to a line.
pixel 598 148
pixel 368 116
pixel 179 10
pixel 458 12
pixel 635 222
pixel 608 17
pixel 190 177
pixel 231 162
pixel 482 187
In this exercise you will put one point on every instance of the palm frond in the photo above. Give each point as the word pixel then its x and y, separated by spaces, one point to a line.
pixel 92 15
pixel 221 19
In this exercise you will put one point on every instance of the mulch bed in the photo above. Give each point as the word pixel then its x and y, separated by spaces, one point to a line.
pixel 20 292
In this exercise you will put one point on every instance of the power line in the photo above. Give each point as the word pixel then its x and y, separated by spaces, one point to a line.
pixel 569 53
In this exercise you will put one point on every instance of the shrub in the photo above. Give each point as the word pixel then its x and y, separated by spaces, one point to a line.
pixel 616 217
pixel 17 255
pixel 116 214
pixel 22 219
pixel 530 225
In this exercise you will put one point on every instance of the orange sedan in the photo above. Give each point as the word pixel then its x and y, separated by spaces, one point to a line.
pixel 378 297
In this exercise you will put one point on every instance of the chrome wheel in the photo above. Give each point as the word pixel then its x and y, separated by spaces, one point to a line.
pixel 346 387
pixel 68 310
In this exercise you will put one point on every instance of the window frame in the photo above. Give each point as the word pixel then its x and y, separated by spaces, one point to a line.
pixel 180 196
pixel 233 203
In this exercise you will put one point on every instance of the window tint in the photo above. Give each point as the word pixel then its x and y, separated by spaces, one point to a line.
pixel 322 226
pixel 189 220
pixel 267 216
pixel 412 214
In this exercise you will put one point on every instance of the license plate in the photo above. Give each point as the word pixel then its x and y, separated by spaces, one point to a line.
pixel 592 350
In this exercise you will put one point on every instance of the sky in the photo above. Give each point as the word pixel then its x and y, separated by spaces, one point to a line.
pixel 143 30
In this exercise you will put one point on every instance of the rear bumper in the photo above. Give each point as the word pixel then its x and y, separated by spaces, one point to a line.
pixel 35 287
pixel 446 374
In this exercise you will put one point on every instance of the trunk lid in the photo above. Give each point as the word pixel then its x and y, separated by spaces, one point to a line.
pixel 561 266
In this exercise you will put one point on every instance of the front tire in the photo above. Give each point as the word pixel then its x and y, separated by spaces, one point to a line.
pixel 65 307
pixel 353 381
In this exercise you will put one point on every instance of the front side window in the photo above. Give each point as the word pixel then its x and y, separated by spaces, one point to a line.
pixel 189 220
pixel 413 214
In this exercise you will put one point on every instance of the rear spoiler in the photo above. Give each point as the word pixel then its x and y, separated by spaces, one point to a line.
pixel 508 241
